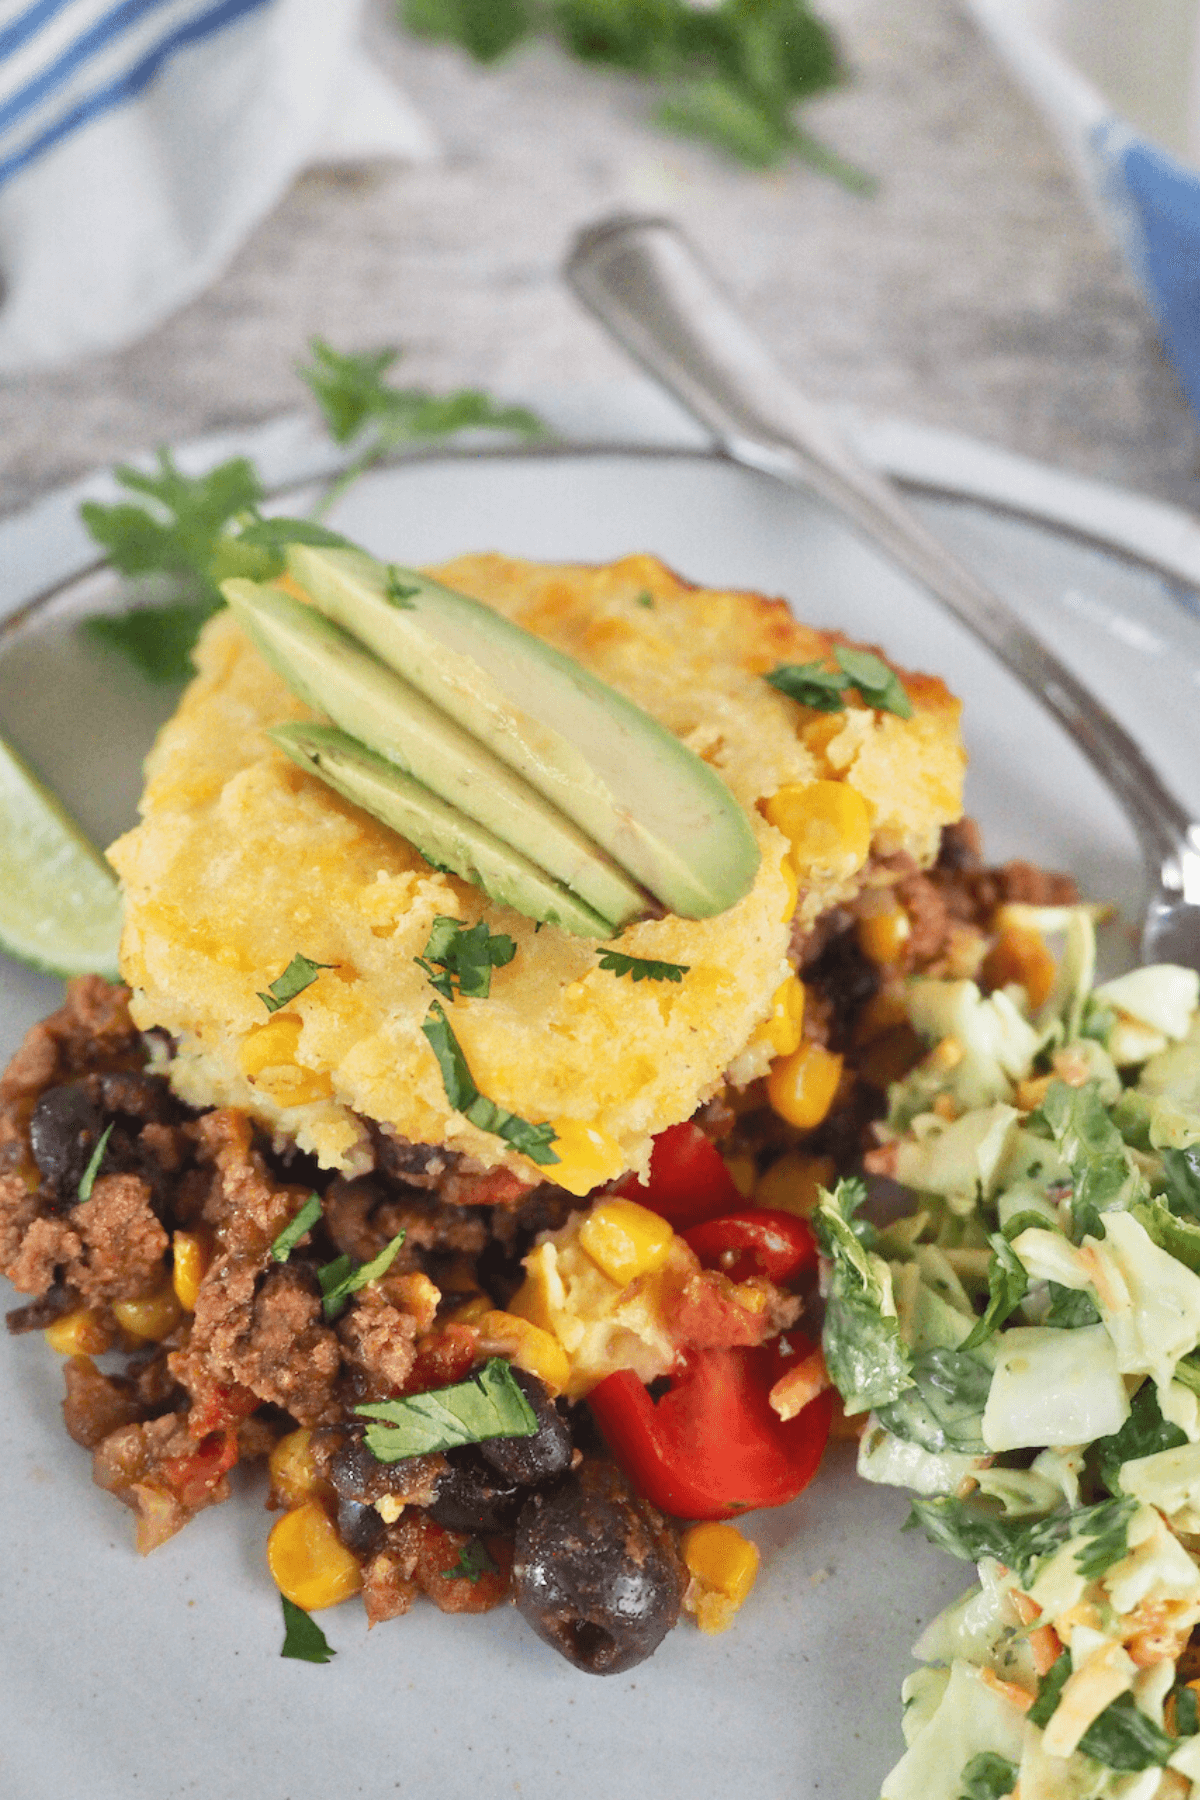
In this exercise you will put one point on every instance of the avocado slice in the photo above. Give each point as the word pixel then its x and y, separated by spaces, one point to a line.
pixel 661 813
pixel 443 836
pixel 335 675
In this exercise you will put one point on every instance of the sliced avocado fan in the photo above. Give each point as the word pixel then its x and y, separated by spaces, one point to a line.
pixel 639 793
pixel 379 710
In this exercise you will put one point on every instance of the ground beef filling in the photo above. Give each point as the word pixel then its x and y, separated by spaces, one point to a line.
pixel 85 1110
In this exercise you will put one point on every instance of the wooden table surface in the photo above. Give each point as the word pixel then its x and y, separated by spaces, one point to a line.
pixel 972 291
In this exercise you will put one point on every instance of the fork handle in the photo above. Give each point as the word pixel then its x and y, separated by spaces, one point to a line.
pixel 643 280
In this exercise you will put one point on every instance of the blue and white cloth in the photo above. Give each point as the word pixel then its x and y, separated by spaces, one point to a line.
pixel 142 140
pixel 1147 199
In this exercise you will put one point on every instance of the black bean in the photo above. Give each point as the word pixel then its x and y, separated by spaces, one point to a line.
pixel 597 1571
pixel 543 1457
pixel 472 1496
pixel 359 1526
pixel 66 1126
pixel 843 975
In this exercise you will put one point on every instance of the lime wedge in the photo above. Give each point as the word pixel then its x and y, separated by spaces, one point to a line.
pixel 60 908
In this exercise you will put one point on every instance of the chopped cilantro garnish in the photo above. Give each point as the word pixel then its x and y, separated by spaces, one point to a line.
pixel 157 640
pixel 343 1277
pixel 88 1178
pixel 400 592
pixel 816 685
pixel 466 956
pixel 474 1560
pixel 291 1234
pixel 1050 1689
pixel 646 599
pixel 533 1141
pixel 640 968
pixel 988 1777
pixel 177 533
pixel 489 1404
pixel 300 973
pixel 303 1639
pixel 1008 1285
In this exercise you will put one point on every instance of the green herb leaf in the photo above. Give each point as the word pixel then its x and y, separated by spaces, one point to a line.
pixel 353 396
pixel 1070 1308
pixel 300 973
pixel 812 684
pixel 822 688
pixel 474 1560
pixel 943 1409
pixel 1181 1182
pixel 157 640
pixel 1008 1285
pixel 341 1278
pixel 466 956
pixel 533 1141
pixel 864 1352
pixel 1107 1539
pixel 487 1405
pixel 640 968
pixel 1049 1692
pixel 988 1777
pixel 645 599
pixel 1179 1237
pixel 1144 1433
pixel 303 1639
pixel 87 1180
pixel 879 686
pixel 487 28
pixel 1187 1710
pixel 1102 1174
pixel 968 1532
pixel 398 591
pixel 177 533
pixel 1126 1738
pixel 291 1234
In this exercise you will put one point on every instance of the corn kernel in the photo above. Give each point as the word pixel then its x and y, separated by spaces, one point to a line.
pixel 783 1027
pixel 793 1183
pixel 724 1566
pixel 587 1157
pixel 828 825
pixel 84 1332
pixel 271 1045
pixel 526 1345
pixel 294 1477
pixel 626 1240
pixel 787 869
pixel 883 935
pixel 801 1087
pixel 192 1253
pixel 471 1311
pixel 743 1172
pixel 1021 954
pixel 151 1319
pixel 307 1560
pixel 534 1300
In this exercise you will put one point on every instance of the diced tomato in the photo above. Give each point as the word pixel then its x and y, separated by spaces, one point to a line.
pixel 444 1356
pixel 761 1241
pixel 192 1478
pixel 219 1406
pixel 688 1180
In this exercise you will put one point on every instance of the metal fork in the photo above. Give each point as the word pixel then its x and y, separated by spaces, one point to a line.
pixel 646 284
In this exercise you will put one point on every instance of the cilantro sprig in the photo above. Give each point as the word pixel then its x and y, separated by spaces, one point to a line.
pixel 816 685
pixel 731 74
pixel 343 1277
pixel 87 1180
pixel 198 530
pixel 489 1404
pixel 474 1561
pixel 300 973
pixel 303 1639
pixel 533 1141
pixel 460 958
pixel 642 968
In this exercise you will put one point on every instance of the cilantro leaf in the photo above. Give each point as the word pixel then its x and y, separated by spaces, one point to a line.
pixel 354 397
pixel 1126 1738
pixel 87 1180
pixel 489 1404
pixel 1144 1433
pixel 988 1777
pixel 816 685
pixel 943 1409
pixel 300 973
pixel 864 1352
pixel 968 1532
pixel 341 1278
pixel 157 640
pixel 466 956
pixel 291 1234
pixel 398 591
pixel 1179 1237
pixel 303 1639
pixel 533 1141
pixel 1187 1710
pixel 178 532
pixel 812 684
pixel 645 599
pixel 474 1560
pixel 1107 1539
pixel 1008 1285
pixel 879 686
pixel 1050 1689
pixel 1102 1175
pixel 1181 1181
pixel 640 968
pixel 1070 1308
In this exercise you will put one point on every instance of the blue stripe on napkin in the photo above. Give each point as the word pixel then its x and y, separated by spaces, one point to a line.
pixel 1155 204
pixel 118 90
pixel 14 36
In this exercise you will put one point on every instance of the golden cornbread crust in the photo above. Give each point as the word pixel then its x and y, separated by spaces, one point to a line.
pixel 242 861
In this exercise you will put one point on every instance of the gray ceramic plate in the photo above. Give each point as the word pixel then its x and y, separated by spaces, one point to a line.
pixel 162 1677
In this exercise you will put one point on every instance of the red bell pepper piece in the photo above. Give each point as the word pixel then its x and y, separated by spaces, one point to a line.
pixel 763 1241
pixel 688 1180
pixel 712 1446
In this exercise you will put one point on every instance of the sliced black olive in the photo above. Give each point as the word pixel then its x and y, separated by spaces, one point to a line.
pixel 473 1496
pixel 533 1460
pixel 597 1571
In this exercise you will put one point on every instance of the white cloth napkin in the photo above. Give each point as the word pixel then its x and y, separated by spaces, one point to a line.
pixel 142 140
